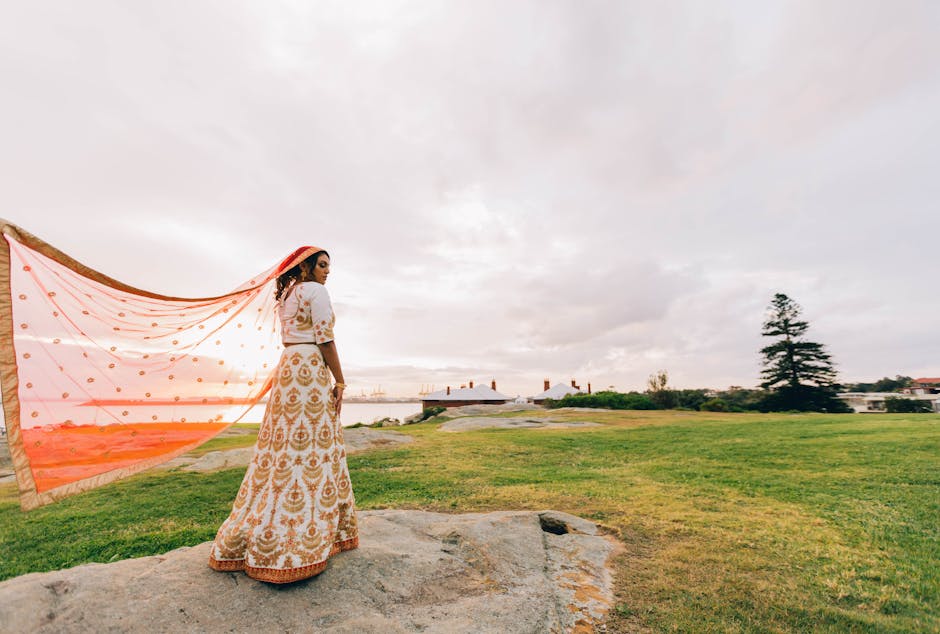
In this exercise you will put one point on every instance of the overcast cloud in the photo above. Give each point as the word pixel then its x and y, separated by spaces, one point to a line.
pixel 509 190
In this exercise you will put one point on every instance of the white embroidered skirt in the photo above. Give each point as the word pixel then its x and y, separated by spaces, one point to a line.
pixel 295 507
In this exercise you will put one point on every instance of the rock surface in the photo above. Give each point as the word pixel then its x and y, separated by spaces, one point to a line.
pixel 472 423
pixel 506 572
pixel 481 410
pixel 356 439
pixel 476 410
pixel 6 462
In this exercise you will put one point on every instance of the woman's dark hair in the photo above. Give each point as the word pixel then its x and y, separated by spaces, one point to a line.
pixel 290 277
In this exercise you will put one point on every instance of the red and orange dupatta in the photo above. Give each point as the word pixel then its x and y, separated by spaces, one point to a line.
pixel 101 380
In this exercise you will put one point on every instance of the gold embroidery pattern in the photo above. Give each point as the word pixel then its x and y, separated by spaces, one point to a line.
pixel 295 507
pixel 307 315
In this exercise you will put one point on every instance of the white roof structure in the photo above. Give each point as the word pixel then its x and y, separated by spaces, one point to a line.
pixel 557 391
pixel 475 393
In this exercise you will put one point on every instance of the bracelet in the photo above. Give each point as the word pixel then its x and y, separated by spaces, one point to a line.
pixel 340 385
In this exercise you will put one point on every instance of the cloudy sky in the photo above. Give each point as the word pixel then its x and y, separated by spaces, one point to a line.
pixel 512 190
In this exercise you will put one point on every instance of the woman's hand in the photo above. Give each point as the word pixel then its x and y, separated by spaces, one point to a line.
pixel 328 350
pixel 338 398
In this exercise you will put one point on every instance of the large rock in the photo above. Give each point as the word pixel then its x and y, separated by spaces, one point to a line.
pixel 226 459
pixel 414 571
pixel 472 423
pixel 480 410
pixel 475 410
pixel 363 438
pixel 356 439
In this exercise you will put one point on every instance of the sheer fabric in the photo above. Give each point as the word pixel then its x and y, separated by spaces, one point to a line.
pixel 101 380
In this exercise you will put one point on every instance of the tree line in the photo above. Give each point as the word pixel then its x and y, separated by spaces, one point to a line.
pixel 797 375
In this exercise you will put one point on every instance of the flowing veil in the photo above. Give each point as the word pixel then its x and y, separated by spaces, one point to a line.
pixel 101 380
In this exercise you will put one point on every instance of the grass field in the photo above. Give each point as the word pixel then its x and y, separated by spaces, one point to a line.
pixel 731 522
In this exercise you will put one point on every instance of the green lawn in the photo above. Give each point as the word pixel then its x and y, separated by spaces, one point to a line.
pixel 731 522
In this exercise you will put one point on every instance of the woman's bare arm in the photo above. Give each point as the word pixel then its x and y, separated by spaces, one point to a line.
pixel 331 357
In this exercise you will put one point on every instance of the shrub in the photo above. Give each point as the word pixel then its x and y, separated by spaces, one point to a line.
pixel 714 405
pixel 603 400
pixel 690 399
pixel 430 412
pixel 899 405
pixel 804 398
pixel 742 399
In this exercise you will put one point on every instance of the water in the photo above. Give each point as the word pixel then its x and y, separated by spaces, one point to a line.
pixel 368 412
pixel 352 413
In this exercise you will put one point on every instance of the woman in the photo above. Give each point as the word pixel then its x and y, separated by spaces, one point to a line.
pixel 295 507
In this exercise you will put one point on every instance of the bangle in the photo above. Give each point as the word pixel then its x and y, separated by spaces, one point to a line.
pixel 340 385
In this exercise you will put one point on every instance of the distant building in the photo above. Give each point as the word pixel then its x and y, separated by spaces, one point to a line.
pixel 470 395
pixel 923 386
pixel 872 402
pixel 557 391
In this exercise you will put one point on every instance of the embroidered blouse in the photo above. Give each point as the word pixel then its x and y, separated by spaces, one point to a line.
pixel 306 314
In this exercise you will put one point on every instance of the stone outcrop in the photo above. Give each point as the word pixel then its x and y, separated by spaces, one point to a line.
pixel 482 410
pixel 472 423
pixel 505 572
pixel 356 439
pixel 477 410
pixel 6 462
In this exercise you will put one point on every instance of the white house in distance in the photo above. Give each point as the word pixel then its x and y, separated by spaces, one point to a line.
pixel 870 402
pixel 472 395
pixel 923 386
pixel 557 391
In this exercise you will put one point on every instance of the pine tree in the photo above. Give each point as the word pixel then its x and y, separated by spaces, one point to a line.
pixel 799 373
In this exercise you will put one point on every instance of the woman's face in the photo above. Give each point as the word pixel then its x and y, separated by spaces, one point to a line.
pixel 321 269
